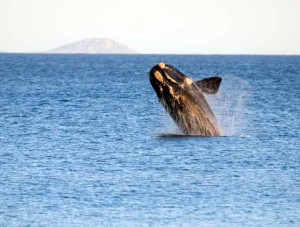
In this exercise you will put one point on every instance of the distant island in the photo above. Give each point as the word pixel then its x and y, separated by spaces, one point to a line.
pixel 93 46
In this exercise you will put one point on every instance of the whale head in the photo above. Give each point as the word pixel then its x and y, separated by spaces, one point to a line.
pixel 167 81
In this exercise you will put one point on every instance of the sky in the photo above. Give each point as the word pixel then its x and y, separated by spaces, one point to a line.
pixel 154 26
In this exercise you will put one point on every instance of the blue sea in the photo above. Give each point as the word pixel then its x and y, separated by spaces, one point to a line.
pixel 85 142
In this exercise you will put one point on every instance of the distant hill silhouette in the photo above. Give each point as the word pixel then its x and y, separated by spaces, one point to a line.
pixel 93 46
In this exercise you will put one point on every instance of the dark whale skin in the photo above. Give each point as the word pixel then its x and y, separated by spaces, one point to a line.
pixel 184 100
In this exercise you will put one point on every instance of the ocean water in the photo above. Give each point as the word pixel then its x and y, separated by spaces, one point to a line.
pixel 84 142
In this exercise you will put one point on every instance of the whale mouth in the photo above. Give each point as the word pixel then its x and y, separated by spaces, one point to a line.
pixel 167 73
pixel 165 78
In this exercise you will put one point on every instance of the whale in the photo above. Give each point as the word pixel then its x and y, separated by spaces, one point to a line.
pixel 184 99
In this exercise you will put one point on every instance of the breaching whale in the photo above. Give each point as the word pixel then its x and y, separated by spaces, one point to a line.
pixel 184 99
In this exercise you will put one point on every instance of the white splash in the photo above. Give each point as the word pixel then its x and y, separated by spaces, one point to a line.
pixel 229 105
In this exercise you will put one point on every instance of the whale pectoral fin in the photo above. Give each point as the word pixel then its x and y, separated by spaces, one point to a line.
pixel 209 85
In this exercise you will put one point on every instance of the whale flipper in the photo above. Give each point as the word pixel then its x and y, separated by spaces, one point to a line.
pixel 209 85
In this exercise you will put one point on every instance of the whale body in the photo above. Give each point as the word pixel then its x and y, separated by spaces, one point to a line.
pixel 184 99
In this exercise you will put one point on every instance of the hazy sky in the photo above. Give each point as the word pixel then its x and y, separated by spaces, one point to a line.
pixel 154 26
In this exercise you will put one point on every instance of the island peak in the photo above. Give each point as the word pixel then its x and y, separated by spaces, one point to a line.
pixel 93 46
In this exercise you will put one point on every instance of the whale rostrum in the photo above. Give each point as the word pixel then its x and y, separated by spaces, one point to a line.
pixel 185 101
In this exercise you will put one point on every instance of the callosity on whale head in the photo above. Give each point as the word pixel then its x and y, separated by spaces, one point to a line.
pixel 184 100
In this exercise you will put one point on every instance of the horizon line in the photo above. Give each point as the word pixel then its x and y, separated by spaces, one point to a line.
pixel 248 54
